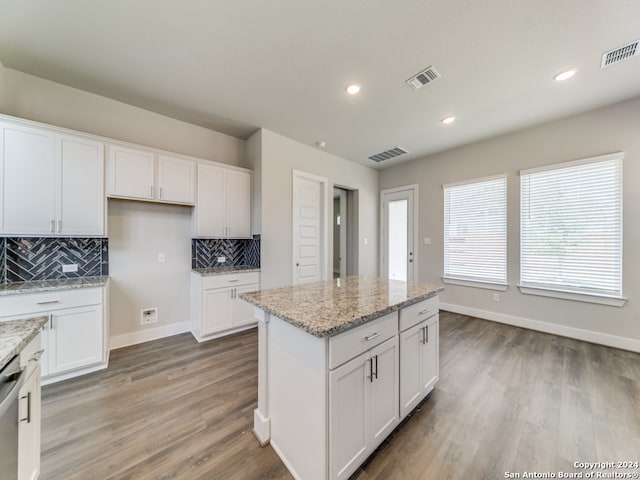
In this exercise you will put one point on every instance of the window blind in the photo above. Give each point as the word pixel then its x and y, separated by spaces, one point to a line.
pixel 475 230
pixel 571 226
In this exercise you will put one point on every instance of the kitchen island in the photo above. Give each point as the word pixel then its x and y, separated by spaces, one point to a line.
pixel 340 363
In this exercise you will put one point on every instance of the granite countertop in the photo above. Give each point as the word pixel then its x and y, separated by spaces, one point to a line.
pixel 207 272
pixel 16 334
pixel 328 308
pixel 36 286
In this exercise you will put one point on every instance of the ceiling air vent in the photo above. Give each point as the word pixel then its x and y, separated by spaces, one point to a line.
pixel 619 54
pixel 419 80
pixel 387 154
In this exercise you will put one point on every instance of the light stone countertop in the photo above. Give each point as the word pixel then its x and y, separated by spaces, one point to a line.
pixel 36 286
pixel 16 334
pixel 208 272
pixel 331 307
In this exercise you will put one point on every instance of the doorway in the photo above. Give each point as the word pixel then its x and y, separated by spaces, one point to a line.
pixel 345 257
pixel 399 231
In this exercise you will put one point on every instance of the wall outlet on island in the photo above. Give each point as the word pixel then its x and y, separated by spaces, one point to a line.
pixel 221 259
pixel 148 315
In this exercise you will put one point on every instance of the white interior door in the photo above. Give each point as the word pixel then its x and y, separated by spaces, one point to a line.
pixel 309 228
pixel 399 230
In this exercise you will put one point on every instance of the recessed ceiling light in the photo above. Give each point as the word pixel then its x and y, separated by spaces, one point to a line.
pixel 448 120
pixel 353 89
pixel 565 75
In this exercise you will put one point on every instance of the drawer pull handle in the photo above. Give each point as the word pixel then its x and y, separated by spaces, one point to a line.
pixel 234 281
pixel 28 417
pixel 48 302
pixel 424 312
pixel 372 336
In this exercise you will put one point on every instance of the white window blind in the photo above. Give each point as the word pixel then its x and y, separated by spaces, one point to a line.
pixel 571 226
pixel 475 230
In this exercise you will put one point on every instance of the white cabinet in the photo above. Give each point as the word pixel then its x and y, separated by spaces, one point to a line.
pixel 215 307
pixel 419 352
pixel 223 208
pixel 29 411
pixel 50 183
pixel 74 340
pixel 144 175
pixel 363 406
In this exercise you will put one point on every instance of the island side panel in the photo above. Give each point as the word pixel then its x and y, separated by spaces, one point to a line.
pixel 261 423
pixel 298 393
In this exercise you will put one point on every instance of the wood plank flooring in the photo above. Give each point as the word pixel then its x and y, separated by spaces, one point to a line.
pixel 508 400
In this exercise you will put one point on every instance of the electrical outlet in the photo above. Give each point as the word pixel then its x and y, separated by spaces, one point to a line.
pixel 70 268
pixel 366 241
pixel 148 315
pixel 161 257
pixel 496 297
pixel 427 240
pixel 221 259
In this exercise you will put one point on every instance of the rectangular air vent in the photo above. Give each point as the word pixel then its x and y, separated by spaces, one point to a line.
pixel 419 80
pixel 620 54
pixel 387 154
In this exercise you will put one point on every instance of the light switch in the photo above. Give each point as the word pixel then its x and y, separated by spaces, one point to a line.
pixel 161 257
pixel 366 241
pixel 427 240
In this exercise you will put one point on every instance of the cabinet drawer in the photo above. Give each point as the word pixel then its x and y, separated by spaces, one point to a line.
pixel 231 280
pixel 353 342
pixel 30 355
pixel 47 301
pixel 414 314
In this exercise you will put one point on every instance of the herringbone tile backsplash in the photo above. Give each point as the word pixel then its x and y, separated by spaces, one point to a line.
pixel 237 252
pixel 26 259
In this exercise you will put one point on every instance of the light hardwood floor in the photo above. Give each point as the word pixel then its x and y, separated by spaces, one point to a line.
pixel 508 400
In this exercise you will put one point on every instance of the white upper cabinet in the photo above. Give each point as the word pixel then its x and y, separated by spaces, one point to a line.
pixel 131 173
pixel 50 184
pixel 144 175
pixel 80 193
pixel 224 202
pixel 176 179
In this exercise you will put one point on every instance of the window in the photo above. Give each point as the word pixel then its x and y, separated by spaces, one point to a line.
pixel 475 232
pixel 571 227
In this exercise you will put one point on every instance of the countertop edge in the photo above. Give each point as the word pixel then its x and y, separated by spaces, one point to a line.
pixel 25 334
pixel 322 333
pixel 230 271
pixel 26 288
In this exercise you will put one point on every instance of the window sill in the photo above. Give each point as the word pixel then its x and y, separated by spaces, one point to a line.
pixel 499 287
pixel 578 297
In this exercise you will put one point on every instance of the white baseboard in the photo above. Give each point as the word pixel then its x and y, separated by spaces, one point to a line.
pixel 206 338
pixel 292 471
pixel 562 330
pixel 148 334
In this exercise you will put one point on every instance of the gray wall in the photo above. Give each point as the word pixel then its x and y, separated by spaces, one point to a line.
pixel 2 87
pixel 137 231
pixel 609 129
pixel 280 156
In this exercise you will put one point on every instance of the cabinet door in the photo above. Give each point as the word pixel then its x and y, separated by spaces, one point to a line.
pixel 348 416
pixel 27 180
pixel 176 179
pixel 75 338
pixel 383 396
pixel 217 310
pixel 238 201
pixel 430 353
pixel 80 191
pixel 411 385
pixel 243 312
pixel 131 173
pixel 29 428
pixel 210 213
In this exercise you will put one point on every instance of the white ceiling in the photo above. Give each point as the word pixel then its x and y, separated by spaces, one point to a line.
pixel 237 65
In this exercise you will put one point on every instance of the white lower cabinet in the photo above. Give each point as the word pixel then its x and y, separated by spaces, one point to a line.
pixel 419 362
pixel 29 413
pixel 74 339
pixel 363 406
pixel 216 309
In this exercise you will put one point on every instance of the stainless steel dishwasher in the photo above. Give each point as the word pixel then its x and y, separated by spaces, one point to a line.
pixel 11 379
